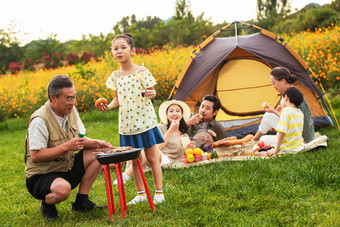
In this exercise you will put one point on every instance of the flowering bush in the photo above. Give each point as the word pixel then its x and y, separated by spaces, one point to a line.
pixel 72 58
pixel 321 51
pixel 28 64
pixel 27 92
pixel 86 57
pixel 14 67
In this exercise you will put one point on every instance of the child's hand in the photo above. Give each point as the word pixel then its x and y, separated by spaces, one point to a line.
pixel 271 152
pixel 103 107
pixel 150 93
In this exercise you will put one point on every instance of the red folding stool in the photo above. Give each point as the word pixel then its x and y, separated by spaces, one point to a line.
pixel 117 158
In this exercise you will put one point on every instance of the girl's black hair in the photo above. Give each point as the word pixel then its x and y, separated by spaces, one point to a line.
pixel 295 96
pixel 127 37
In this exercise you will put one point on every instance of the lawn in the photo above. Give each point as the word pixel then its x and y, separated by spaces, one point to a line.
pixel 300 189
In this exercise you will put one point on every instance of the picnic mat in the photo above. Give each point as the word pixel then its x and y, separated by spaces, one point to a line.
pixel 319 141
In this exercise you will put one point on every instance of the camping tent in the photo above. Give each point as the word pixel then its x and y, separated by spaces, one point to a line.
pixel 237 70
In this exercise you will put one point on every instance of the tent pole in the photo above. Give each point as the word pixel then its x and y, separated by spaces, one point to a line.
pixel 329 103
pixel 173 88
pixel 236 35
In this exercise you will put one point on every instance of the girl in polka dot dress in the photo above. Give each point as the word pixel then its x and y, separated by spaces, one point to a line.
pixel 134 88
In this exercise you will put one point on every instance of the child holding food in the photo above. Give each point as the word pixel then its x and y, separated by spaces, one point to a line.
pixel 137 117
pixel 290 125
pixel 281 79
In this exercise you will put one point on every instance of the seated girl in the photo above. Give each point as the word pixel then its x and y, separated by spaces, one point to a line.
pixel 173 114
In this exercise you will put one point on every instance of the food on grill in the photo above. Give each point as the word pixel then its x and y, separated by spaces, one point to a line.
pixel 116 150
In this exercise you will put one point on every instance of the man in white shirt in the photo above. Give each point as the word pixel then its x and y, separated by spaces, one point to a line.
pixel 57 159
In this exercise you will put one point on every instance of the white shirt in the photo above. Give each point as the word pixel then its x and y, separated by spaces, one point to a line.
pixel 38 134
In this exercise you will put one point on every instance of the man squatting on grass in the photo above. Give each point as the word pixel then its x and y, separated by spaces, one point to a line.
pixel 52 164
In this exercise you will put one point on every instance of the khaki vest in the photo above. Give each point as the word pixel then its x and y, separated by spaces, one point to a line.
pixel 57 136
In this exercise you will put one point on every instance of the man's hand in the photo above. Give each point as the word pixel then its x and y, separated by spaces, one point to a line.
pixel 75 144
pixel 194 120
pixel 103 144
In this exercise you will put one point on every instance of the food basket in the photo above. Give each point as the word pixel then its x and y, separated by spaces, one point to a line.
pixel 107 158
pixel 245 149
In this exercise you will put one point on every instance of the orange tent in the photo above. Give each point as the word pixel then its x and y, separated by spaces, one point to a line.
pixel 237 69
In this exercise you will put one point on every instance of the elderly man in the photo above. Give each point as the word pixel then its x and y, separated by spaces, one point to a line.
pixel 57 160
pixel 203 126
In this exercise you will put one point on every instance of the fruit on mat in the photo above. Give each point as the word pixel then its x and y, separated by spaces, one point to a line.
pixel 184 159
pixel 265 146
pixel 198 151
pixel 260 144
pixel 197 158
pixel 190 158
pixel 189 151
pixel 213 154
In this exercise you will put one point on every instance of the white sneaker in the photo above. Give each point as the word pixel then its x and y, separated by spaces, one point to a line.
pixel 138 199
pixel 126 178
pixel 158 198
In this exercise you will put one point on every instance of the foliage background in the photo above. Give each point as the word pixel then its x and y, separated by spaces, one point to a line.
pixel 25 91
pixel 183 29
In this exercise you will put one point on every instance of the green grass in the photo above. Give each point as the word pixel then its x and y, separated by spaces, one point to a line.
pixel 302 189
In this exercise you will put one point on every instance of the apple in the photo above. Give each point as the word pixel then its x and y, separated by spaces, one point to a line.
pixel 266 146
pixel 197 158
pixel 260 144
pixel 184 159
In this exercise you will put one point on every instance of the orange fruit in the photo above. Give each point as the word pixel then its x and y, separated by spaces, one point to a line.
pixel 189 151
pixel 198 151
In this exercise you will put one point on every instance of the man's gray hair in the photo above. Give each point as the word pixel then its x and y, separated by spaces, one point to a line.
pixel 57 83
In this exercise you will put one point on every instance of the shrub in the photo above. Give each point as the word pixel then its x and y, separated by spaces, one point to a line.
pixel 28 64
pixel 57 60
pixel 86 57
pixel 72 58
pixel 14 67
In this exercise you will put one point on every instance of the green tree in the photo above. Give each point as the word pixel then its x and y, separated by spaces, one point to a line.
pixel 10 51
pixel 335 4
pixel 272 8
pixel 36 48
pixel 91 43
pixel 182 10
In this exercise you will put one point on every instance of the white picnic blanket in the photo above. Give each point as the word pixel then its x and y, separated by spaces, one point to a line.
pixel 319 141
